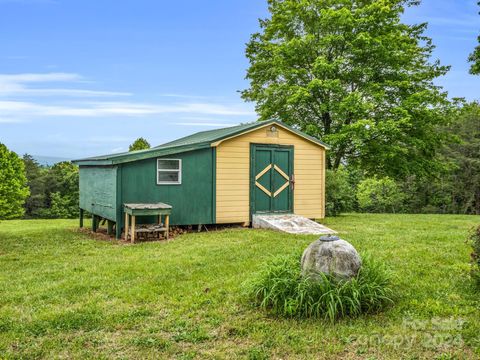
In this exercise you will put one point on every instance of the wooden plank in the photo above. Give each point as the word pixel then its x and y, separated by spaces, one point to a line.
pixel 146 212
pixel 167 225
pixel 132 234
pixel 127 217
pixel 261 173
pixel 283 187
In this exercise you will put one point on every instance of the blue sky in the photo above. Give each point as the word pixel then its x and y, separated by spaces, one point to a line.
pixel 87 77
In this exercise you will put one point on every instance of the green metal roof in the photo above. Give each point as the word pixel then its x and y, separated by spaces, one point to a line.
pixel 199 140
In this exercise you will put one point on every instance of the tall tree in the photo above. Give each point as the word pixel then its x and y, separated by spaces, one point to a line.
pixel 465 177
pixel 36 183
pixel 13 184
pixel 351 73
pixel 474 58
pixel 139 144
pixel 61 191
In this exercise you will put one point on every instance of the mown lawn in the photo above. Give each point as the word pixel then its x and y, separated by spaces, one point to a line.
pixel 65 295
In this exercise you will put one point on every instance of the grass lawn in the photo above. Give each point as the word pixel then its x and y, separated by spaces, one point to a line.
pixel 65 295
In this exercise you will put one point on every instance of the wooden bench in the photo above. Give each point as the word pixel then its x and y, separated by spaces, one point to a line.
pixel 155 209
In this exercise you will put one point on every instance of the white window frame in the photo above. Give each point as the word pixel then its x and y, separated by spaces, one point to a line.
pixel 179 170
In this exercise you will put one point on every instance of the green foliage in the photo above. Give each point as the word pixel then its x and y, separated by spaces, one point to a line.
pixel 13 184
pixel 53 190
pixel 456 187
pixel 462 182
pixel 474 58
pixel 62 207
pixel 139 144
pixel 36 183
pixel 281 289
pixel 340 194
pixel 379 195
pixel 351 73
pixel 475 241
pixel 62 191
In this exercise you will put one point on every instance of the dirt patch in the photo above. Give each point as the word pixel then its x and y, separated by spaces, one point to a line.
pixel 101 233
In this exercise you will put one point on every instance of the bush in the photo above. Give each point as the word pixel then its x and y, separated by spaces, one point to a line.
pixel 13 184
pixel 339 193
pixel 281 289
pixel 379 195
pixel 475 241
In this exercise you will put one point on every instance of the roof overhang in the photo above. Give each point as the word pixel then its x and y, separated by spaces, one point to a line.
pixel 136 156
pixel 279 124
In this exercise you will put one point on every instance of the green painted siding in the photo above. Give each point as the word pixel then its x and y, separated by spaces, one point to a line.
pixel 98 190
pixel 193 200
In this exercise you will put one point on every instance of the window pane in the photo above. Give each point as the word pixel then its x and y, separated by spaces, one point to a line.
pixel 164 164
pixel 168 176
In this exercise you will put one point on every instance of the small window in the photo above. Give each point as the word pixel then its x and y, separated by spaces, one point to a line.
pixel 169 171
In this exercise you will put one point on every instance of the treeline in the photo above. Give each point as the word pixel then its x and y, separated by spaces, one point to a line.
pixel 53 189
pixel 30 190
pixel 451 188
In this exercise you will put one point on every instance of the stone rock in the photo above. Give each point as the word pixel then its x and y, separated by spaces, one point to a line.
pixel 336 257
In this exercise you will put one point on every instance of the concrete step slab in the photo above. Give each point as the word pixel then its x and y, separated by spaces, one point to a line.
pixel 290 223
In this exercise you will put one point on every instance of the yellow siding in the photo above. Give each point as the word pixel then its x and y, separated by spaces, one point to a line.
pixel 233 175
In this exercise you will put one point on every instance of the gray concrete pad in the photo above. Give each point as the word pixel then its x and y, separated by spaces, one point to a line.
pixel 290 223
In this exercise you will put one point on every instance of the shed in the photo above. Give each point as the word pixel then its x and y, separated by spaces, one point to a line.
pixel 212 177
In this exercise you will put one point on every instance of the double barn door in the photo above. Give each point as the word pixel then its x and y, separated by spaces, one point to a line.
pixel 271 179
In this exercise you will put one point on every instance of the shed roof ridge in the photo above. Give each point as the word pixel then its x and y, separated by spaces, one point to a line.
pixel 195 141
pixel 213 131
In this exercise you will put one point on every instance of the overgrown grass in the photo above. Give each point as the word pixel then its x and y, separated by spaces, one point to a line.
pixel 475 241
pixel 64 295
pixel 281 289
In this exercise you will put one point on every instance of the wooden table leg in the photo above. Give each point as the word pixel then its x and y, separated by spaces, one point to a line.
pixel 159 223
pixel 167 224
pixel 132 234
pixel 127 217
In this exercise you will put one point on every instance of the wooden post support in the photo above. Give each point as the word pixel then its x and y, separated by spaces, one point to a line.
pixel 132 234
pixel 127 217
pixel 94 223
pixel 81 218
pixel 118 230
pixel 109 227
pixel 167 224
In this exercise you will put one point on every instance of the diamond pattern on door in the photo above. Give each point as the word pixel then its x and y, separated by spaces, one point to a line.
pixel 258 176
pixel 271 167
pixel 280 189
pixel 284 186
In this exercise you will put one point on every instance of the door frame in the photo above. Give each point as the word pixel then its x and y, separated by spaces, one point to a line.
pixel 253 147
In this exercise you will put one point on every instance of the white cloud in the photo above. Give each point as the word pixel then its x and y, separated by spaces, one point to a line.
pixel 33 77
pixel 100 109
pixel 29 1
pixel 206 124
pixel 20 99
pixel 5 120
pixel 19 91
pixel 18 84
pixel 118 149
pixel 183 96
pixel 463 21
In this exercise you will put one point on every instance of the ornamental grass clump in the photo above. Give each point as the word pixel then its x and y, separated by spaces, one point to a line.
pixel 475 242
pixel 281 289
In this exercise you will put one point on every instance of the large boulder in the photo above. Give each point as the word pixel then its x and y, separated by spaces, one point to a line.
pixel 331 255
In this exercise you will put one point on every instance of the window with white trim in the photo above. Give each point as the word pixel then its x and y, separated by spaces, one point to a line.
pixel 169 171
